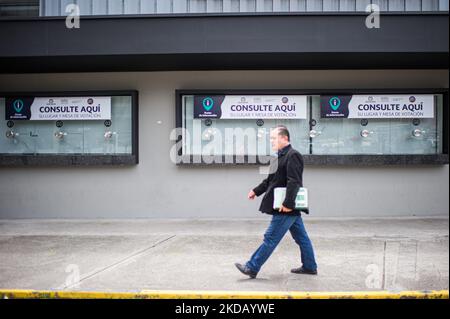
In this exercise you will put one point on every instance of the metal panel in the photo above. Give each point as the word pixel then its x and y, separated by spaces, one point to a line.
pixel 396 5
pixel 197 6
pixel 314 5
pixel 51 8
pixel 163 6
pixel 62 6
pixel 276 5
pixel 115 6
pixel 297 5
pixel 361 5
pixel 430 5
pixel 285 4
pixel 330 5
pixel 247 5
pixel 234 6
pixel 214 6
pixel 85 7
pixel 280 5
pixel 261 5
pixel 347 5
pixel 99 7
pixel 180 6
pixel 226 6
pixel 382 4
pixel 413 5
pixel 41 7
pixel 131 6
pixel 443 5
pixel 148 6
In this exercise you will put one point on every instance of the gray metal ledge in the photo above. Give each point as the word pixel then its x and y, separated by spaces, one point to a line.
pixel 329 160
pixel 67 160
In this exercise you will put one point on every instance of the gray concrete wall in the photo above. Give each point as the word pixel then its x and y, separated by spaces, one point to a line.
pixel 158 188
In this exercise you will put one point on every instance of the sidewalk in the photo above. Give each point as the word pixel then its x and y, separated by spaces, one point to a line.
pixel 135 255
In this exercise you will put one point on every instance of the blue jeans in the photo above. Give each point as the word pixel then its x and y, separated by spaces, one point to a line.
pixel 278 227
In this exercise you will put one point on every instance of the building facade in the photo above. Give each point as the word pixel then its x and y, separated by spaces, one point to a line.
pixel 162 109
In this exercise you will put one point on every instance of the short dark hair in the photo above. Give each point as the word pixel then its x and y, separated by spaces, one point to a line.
pixel 283 131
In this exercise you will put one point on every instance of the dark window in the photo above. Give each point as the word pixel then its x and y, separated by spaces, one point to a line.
pixel 19 8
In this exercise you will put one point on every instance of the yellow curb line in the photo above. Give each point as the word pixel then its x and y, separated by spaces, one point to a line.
pixel 443 294
pixel 193 294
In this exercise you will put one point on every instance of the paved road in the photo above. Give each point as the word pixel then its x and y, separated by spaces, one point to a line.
pixel 133 255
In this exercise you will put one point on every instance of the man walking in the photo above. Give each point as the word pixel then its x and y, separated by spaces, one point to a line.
pixel 288 174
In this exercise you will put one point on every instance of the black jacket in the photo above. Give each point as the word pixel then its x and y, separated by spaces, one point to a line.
pixel 288 174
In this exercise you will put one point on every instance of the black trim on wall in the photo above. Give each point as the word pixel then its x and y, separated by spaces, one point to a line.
pixel 76 159
pixel 68 160
pixel 224 42
pixel 225 61
pixel 328 160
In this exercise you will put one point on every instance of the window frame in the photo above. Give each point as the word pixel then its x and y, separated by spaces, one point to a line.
pixel 78 159
pixel 317 159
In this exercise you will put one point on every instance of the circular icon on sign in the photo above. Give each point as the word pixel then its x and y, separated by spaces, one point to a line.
pixel 285 99
pixel 10 124
pixel 364 122
pixel 260 122
pixel 313 122
pixel 18 105
pixel 59 123
pixel 335 103
pixel 416 122
pixel 208 103
pixel 107 123
pixel 412 99
pixel 90 101
pixel 208 122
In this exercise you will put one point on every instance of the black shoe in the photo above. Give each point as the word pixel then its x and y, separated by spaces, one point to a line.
pixel 302 270
pixel 245 270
